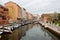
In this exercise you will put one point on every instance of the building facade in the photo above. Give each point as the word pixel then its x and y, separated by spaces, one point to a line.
pixel 46 18
pixel 30 17
pixel 15 11
pixel 24 14
pixel 3 15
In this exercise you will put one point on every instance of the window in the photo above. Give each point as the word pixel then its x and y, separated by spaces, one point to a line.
pixel 0 15
pixel 2 7
pixel 3 18
pixel 5 9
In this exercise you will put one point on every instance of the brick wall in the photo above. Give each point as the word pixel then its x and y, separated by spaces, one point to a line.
pixel 3 15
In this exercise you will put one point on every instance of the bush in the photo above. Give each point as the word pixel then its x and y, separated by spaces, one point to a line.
pixel 58 24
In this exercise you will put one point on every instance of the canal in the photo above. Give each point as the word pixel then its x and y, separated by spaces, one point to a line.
pixel 36 32
pixel 29 32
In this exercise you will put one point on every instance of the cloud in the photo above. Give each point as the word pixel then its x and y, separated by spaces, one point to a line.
pixel 45 6
pixel 38 6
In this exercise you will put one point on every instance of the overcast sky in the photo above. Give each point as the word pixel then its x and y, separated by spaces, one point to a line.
pixel 37 6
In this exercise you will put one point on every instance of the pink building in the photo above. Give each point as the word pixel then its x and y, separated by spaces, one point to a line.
pixel 30 16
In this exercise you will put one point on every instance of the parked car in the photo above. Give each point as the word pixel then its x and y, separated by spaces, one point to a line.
pixel 9 27
pixel 22 23
pixel 7 31
pixel 26 23
pixel 1 27
pixel 29 22
pixel 17 25
pixel 1 31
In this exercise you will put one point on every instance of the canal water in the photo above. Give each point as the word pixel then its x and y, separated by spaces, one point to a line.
pixel 29 32
pixel 36 32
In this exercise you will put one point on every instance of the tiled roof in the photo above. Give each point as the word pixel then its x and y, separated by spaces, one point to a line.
pixel 13 3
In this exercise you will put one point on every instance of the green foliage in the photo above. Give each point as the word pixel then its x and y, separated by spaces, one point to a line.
pixel 57 23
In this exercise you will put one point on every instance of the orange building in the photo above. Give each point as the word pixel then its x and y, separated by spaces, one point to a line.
pixel 46 18
pixel 14 11
pixel 3 15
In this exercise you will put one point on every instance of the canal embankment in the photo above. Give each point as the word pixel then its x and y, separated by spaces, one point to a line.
pixel 52 28
pixel 17 31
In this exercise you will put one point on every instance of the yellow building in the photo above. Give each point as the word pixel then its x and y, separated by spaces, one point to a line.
pixel 14 11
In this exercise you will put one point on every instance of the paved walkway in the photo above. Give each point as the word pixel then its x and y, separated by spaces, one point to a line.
pixel 51 26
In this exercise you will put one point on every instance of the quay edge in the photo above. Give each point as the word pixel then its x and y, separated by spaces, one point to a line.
pixel 57 34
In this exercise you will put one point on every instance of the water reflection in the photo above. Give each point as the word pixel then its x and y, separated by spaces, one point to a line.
pixel 4 36
pixel 7 36
pixel 37 33
pixel 30 26
pixel 28 32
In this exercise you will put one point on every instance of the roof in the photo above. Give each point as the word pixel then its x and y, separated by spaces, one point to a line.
pixel 2 7
pixel 13 3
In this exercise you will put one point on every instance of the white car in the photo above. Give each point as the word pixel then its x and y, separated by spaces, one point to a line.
pixel 1 26
pixel 7 31
pixel 9 27
pixel 1 31
pixel 17 25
